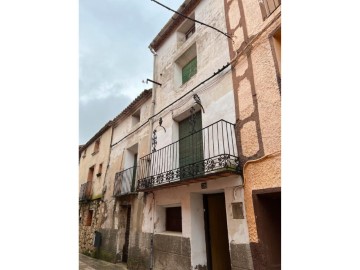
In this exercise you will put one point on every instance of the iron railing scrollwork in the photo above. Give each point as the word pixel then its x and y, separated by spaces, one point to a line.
pixel 125 181
pixel 217 152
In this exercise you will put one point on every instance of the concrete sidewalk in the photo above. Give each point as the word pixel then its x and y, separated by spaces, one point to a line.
pixel 88 263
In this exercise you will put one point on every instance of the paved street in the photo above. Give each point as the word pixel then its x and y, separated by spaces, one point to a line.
pixel 88 263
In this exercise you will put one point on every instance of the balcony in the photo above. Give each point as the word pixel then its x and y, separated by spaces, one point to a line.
pixel 270 6
pixel 125 182
pixel 208 153
pixel 85 191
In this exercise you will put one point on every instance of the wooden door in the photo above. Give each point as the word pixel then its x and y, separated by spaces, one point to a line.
pixel 191 147
pixel 217 241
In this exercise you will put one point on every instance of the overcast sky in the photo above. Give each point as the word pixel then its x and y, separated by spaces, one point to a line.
pixel 114 57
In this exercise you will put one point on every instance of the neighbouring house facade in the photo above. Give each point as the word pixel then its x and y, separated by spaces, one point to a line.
pixel 121 225
pixel 109 204
pixel 94 158
pixel 256 26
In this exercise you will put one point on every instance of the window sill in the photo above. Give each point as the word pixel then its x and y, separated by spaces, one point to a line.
pixel 94 153
pixel 185 84
pixel 170 233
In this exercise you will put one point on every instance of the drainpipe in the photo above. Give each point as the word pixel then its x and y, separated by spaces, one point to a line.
pixel 151 263
pixel 108 161
pixel 153 96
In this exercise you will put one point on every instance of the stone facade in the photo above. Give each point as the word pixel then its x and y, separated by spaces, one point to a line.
pixel 94 157
pixel 86 232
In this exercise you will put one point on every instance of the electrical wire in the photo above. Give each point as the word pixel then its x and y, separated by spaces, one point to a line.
pixel 238 53
pixel 191 90
pixel 187 99
pixel 226 34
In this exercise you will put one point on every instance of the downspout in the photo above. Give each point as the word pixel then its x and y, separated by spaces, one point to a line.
pixel 108 161
pixel 257 160
pixel 153 98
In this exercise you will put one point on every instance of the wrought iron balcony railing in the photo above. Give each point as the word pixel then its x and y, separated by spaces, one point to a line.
pixel 125 182
pixel 85 191
pixel 199 155
pixel 270 6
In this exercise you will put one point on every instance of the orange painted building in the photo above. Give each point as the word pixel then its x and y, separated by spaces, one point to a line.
pixel 256 46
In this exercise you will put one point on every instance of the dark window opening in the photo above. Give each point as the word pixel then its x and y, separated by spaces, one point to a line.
pixel 267 208
pixel 99 170
pixel 89 218
pixel 190 32
pixel 96 146
pixel 173 219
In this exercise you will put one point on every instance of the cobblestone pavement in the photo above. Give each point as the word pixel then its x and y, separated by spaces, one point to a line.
pixel 88 263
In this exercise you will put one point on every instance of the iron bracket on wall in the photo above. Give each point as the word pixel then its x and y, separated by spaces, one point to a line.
pixel 154 136
pixel 192 119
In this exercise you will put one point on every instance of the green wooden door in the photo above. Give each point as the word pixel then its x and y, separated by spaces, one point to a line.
pixel 191 153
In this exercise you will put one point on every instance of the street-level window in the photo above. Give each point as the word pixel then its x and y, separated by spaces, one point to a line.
pixel 173 219
pixel 89 218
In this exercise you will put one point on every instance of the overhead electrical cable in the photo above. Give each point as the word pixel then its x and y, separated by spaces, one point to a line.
pixel 226 34
pixel 191 90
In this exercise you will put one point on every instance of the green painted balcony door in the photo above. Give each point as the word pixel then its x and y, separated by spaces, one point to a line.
pixel 191 147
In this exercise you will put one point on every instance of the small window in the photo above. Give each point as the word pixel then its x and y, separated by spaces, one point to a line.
pixel 136 117
pixel 186 66
pixel 89 218
pixel 96 146
pixel 186 30
pixel 269 6
pixel 99 170
pixel 173 219
pixel 190 32
pixel 189 70
pixel 84 153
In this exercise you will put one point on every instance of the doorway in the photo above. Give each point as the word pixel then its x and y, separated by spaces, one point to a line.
pixel 127 236
pixel 216 233
pixel 191 153
pixel 267 206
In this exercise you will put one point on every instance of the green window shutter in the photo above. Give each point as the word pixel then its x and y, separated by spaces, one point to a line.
pixel 189 70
